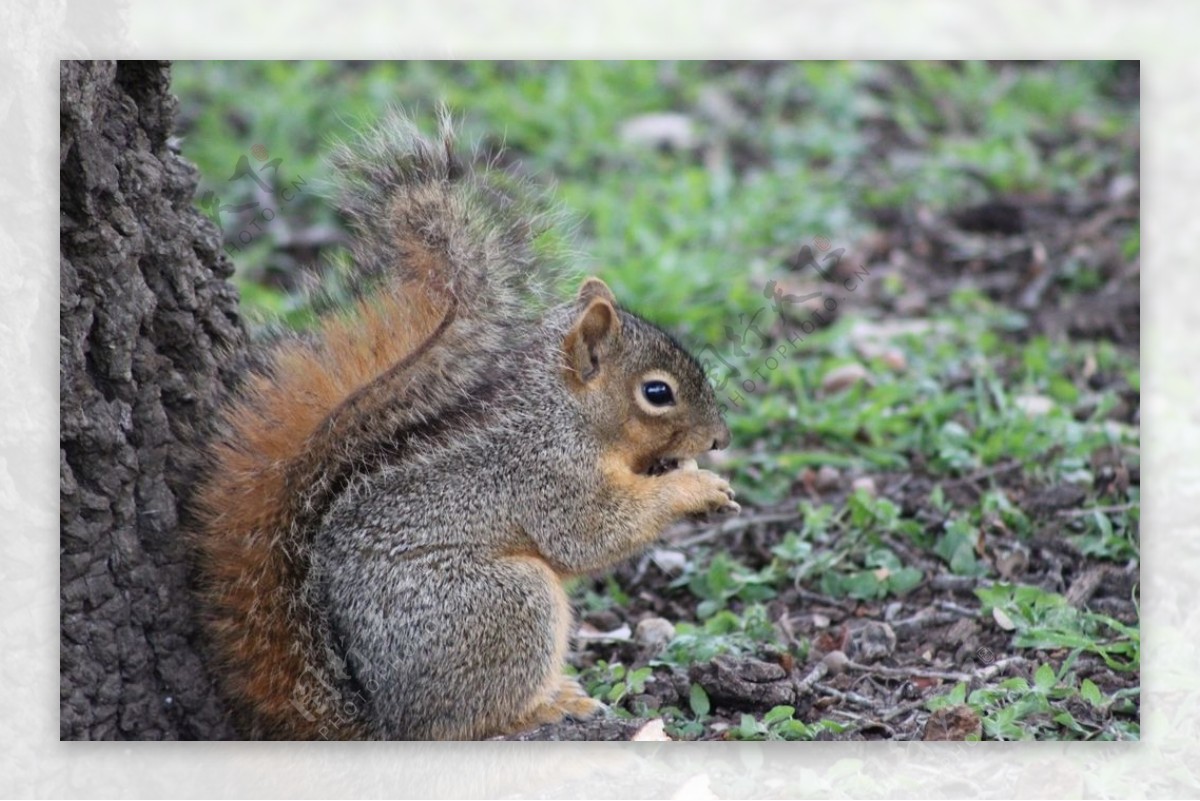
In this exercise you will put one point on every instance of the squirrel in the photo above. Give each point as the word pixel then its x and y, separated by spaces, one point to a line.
pixel 391 504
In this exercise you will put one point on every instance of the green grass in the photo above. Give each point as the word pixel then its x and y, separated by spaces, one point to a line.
pixel 667 230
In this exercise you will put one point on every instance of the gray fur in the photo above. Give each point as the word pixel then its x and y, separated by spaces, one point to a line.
pixel 437 628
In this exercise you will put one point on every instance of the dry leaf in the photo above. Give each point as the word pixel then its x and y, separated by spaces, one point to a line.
pixel 844 377
pixel 1002 619
pixel 654 730
pixel 953 723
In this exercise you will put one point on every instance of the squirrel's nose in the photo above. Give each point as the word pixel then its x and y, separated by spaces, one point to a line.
pixel 722 440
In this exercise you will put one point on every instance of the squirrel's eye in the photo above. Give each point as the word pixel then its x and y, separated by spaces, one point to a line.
pixel 658 393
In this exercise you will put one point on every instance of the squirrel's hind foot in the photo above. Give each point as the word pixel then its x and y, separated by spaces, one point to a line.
pixel 569 700
pixel 574 701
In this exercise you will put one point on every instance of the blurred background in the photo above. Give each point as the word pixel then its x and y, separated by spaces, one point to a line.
pixel 916 286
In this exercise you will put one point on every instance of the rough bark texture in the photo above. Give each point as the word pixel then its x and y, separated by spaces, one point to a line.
pixel 149 334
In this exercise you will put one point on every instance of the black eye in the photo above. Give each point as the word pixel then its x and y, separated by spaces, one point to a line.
pixel 658 393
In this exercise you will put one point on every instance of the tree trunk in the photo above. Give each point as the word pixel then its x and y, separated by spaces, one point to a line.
pixel 149 336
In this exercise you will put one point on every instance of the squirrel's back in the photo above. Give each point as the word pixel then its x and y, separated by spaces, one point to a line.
pixel 446 277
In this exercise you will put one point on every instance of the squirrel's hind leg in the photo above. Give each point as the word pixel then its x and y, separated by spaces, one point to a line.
pixel 561 696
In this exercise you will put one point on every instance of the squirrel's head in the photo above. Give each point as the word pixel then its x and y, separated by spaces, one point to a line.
pixel 643 393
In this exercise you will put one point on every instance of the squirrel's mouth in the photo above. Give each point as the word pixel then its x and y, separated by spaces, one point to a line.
pixel 669 464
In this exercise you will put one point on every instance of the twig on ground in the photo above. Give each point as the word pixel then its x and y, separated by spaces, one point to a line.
pixel 902 709
pixel 909 673
pixel 734 525
pixel 950 606
pixel 948 581
pixel 988 473
pixel 946 675
pixel 996 667
pixel 851 715
pixel 922 619
pixel 845 695
pixel 1123 507
pixel 804 686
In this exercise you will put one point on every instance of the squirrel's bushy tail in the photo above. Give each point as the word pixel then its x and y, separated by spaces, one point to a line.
pixel 448 274
pixel 415 207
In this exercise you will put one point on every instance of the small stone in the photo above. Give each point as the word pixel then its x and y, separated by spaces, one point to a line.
pixel 844 377
pixel 895 360
pixel 866 484
pixel 665 129
pixel 670 562
pixel 1034 405
pixel 1121 187
pixel 654 632
pixel 827 478
pixel 836 662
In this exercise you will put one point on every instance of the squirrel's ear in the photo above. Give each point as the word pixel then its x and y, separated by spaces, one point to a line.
pixel 593 288
pixel 590 340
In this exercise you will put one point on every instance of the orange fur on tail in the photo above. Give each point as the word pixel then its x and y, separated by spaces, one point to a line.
pixel 253 563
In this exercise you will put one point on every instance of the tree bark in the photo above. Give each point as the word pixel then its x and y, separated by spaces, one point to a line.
pixel 149 337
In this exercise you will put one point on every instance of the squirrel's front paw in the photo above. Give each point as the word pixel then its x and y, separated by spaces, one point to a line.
pixel 703 491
